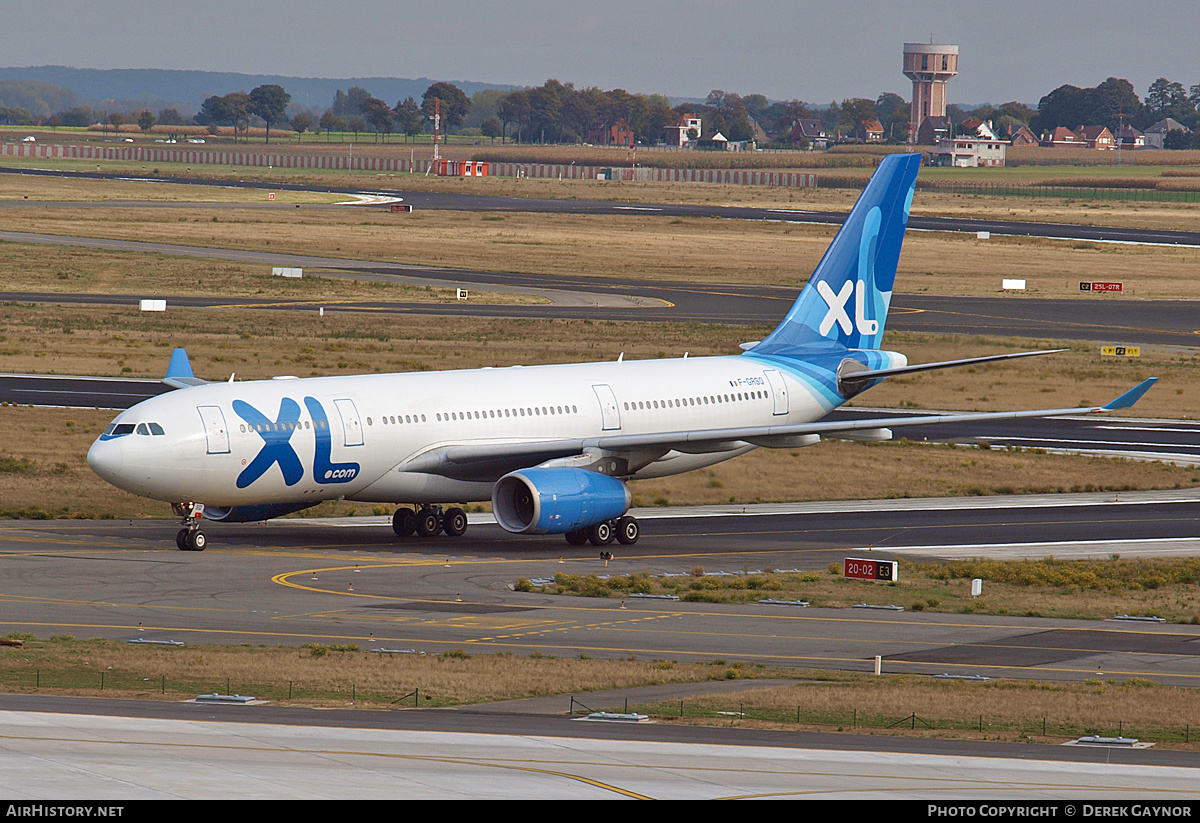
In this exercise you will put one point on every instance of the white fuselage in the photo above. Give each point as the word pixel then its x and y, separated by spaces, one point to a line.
pixel 293 440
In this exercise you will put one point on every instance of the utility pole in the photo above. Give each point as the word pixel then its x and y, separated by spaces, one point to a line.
pixel 437 125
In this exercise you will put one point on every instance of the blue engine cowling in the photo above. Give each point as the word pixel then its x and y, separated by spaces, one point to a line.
pixel 250 514
pixel 557 500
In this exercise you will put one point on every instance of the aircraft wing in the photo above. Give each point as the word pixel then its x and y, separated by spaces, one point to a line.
pixel 482 461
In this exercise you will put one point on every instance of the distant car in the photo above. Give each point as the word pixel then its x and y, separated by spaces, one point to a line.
pixel 127 140
pixel 30 139
pixel 195 139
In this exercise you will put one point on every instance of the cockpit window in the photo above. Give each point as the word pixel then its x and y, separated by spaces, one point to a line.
pixel 156 429
pixel 121 429
pixel 143 429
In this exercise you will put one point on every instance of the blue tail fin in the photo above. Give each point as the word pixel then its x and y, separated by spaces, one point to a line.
pixel 845 302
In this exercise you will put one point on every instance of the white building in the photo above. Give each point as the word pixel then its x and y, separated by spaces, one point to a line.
pixel 969 152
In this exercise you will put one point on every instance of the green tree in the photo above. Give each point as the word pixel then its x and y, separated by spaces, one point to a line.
pixel 240 107
pixel 409 120
pixel 379 114
pixel 1168 99
pixel 145 121
pixel 491 128
pixel 455 104
pixel 514 109
pixel 330 122
pixel 170 117
pixel 302 122
pixel 269 102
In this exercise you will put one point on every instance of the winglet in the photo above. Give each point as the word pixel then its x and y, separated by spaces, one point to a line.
pixel 1130 397
pixel 179 372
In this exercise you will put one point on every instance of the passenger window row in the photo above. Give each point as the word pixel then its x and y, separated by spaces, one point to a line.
pixel 287 425
pixel 709 400
pixel 491 414
pixel 400 419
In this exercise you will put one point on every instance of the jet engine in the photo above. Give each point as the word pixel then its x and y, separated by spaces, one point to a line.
pixel 557 500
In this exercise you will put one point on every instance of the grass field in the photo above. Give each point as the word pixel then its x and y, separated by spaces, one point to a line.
pixel 1052 209
pixel 644 247
pixel 349 676
pixel 1065 589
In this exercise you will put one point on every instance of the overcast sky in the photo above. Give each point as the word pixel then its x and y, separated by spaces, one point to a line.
pixel 814 51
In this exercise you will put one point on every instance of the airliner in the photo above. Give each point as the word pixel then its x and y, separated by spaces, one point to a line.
pixel 552 447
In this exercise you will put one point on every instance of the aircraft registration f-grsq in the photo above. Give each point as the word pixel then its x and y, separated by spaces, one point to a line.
pixel 552 447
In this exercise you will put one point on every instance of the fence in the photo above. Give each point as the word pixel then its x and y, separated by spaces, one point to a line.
pixel 561 171
pixel 852 719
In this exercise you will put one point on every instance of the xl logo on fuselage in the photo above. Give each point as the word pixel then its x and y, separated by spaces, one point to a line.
pixel 277 446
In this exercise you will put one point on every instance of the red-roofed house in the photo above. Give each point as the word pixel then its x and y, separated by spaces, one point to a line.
pixel 1097 137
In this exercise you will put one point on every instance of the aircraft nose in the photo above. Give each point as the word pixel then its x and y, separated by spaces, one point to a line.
pixel 105 459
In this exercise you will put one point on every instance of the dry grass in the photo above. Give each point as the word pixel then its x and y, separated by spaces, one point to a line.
pixel 320 675
pixel 1064 210
pixel 15 187
pixel 998 710
pixel 72 270
pixel 646 247
pixel 1064 589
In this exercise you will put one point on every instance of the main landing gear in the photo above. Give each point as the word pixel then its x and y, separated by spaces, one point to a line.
pixel 430 520
pixel 624 530
pixel 190 538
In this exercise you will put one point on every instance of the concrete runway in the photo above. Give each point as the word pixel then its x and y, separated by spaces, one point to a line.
pixel 81 749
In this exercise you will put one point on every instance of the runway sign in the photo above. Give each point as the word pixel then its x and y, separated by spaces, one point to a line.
pixel 861 569
pixel 1097 285
pixel 1121 351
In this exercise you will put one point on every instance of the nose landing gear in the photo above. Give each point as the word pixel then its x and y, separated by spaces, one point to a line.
pixel 190 538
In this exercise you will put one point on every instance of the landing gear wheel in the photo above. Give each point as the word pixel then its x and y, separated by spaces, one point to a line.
pixel 577 537
pixel 454 522
pixel 404 522
pixel 601 534
pixel 628 530
pixel 190 540
pixel 429 522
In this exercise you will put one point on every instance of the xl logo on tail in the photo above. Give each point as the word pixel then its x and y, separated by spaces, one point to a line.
pixel 837 313
pixel 837 308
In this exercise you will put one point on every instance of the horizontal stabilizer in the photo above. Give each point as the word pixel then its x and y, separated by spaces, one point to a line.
pixel 853 377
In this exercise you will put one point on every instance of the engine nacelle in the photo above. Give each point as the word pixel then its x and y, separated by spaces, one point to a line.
pixel 250 514
pixel 557 500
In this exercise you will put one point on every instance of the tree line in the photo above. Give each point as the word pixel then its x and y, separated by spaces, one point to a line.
pixel 557 112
